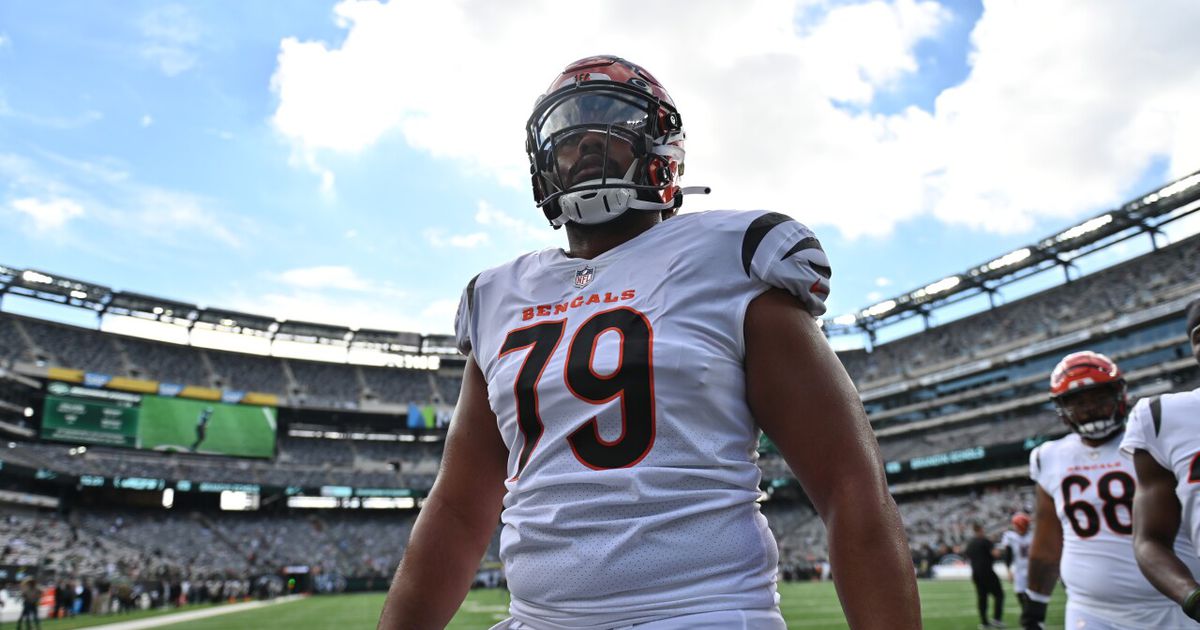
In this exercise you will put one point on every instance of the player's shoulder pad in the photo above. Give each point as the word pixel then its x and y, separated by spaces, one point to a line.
pixel 463 318
pixel 779 251
pixel 1035 462
pixel 466 319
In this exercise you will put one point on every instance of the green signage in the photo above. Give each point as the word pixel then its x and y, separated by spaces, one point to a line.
pixel 112 423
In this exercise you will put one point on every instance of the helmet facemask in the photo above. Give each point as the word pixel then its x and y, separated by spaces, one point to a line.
pixel 1095 412
pixel 599 148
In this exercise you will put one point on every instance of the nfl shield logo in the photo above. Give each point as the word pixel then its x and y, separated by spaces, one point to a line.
pixel 584 276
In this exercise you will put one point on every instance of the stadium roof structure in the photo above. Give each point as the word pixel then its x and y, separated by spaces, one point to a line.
pixel 1144 215
pixel 104 301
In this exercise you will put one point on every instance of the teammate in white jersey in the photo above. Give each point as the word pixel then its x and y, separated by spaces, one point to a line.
pixel 1016 542
pixel 614 392
pixel 1084 526
pixel 1164 439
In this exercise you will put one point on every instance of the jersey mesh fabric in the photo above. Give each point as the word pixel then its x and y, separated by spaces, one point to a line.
pixel 678 530
pixel 1099 570
pixel 1175 445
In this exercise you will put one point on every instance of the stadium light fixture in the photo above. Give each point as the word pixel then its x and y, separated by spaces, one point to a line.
pixel 941 286
pixel 1172 188
pixel 1090 225
pixel 1009 259
pixel 845 320
pixel 881 308
pixel 38 278
pixel 79 295
pixel 29 412
pixel 168 497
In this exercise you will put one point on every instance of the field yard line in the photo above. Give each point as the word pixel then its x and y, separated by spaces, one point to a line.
pixel 166 620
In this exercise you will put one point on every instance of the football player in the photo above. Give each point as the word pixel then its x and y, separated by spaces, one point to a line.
pixel 1084 524
pixel 1016 543
pixel 1164 440
pixel 201 427
pixel 614 392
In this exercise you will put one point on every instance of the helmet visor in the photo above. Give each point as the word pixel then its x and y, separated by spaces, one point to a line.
pixel 597 110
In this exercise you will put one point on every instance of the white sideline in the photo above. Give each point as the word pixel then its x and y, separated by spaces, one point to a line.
pixel 166 620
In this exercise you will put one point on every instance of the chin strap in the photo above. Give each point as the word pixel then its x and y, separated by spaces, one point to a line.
pixel 580 206
pixel 675 202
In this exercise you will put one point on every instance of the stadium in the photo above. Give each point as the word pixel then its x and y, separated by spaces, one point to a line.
pixel 178 457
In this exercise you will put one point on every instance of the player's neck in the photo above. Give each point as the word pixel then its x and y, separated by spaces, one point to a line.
pixel 589 241
pixel 1092 443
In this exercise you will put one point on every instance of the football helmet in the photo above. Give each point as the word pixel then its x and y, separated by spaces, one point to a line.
pixel 604 138
pixel 1020 522
pixel 1090 394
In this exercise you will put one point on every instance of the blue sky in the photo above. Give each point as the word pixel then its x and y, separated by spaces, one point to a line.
pixel 358 162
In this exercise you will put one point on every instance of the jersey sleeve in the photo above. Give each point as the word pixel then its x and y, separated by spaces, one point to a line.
pixel 1139 431
pixel 785 254
pixel 464 327
pixel 1035 468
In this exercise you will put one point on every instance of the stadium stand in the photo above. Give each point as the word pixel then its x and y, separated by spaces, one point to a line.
pixel 68 346
pixel 391 385
pixel 165 362
pixel 325 384
pixel 248 372
pixel 956 409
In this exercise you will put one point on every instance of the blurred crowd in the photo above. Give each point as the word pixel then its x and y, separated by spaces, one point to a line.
pixel 1096 298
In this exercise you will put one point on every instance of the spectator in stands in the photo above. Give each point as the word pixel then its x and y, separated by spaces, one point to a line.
pixel 982 554
pixel 31 596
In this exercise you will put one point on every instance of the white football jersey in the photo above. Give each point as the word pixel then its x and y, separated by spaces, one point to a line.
pixel 1168 428
pixel 618 384
pixel 1018 546
pixel 1093 492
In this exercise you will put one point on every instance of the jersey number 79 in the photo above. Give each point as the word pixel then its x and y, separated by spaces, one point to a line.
pixel 632 382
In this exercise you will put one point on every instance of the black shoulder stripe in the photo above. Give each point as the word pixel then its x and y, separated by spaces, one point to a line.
pixel 471 294
pixel 1156 413
pixel 756 233
pixel 809 242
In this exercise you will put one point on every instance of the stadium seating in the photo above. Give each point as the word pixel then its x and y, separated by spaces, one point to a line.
pixel 1159 276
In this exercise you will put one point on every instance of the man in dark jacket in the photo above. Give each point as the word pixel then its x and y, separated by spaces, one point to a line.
pixel 983 554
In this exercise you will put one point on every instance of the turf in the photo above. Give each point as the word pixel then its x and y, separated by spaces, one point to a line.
pixel 84 621
pixel 945 606
pixel 170 424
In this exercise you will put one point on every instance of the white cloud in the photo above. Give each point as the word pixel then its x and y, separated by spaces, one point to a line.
pixel 53 122
pixel 48 214
pixel 5 41
pixel 115 200
pixel 439 238
pixel 882 281
pixel 325 277
pixel 513 228
pixel 171 35
pixel 406 313
pixel 1063 111
pixel 181 215
pixel 147 120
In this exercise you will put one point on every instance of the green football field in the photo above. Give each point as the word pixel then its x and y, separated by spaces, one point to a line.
pixel 170 424
pixel 945 606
